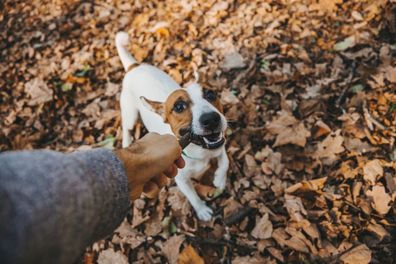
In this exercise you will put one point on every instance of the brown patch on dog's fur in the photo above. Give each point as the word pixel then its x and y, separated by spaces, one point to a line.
pixel 176 120
pixel 217 102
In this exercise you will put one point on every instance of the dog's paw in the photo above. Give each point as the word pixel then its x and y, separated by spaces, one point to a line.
pixel 204 212
pixel 219 182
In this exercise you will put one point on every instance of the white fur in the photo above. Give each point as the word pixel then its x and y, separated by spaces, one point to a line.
pixel 154 84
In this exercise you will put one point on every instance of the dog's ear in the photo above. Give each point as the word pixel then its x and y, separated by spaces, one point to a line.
pixel 154 106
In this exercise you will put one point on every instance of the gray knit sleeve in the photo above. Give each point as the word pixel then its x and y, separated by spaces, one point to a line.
pixel 53 205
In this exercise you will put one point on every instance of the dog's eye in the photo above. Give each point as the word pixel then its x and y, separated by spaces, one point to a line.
pixel 210 95
pixel 179 106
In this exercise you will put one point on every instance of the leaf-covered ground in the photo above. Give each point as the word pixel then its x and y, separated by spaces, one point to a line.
pixel 309 90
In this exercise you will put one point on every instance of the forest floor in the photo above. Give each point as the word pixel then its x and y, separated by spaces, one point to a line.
pixel 309 88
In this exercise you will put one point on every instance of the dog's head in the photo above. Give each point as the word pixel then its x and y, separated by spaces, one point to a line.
pixel 194 110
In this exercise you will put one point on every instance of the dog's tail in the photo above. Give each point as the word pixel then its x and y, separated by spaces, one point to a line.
pixel 122 40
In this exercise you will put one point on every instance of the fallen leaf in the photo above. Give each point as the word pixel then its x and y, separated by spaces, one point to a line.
pixel 357 255
pixel 288 129
pixel 178 202
pixel 263 228
pixel 358 146
pixel 109 256
pixel 256 259
pixel 38 91
pixel 92 110
pixel 378 230
pixel 345 44
pixel 231 207
pixel 329 5
pixel 390 74
pixel 328 149
pixel 283 239
pixel 112 89
pixel 233 60
pixel 294 207
pixel 372 170
pixel 227 97
pixel 320 129
pixel 276 253
pixel 190 256
pixel 381 199
pixel 129 235
pixel 171 247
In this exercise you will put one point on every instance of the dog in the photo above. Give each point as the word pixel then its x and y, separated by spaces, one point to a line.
pixel 167 108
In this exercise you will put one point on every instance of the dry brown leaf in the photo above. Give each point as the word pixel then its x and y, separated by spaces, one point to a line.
pixel 263 228
pixel 256 259
pixel 109 256
pixel 190 256
pixel 329 5
pixel 283 239
pixel 294 207
pixel 358 146
pixel 276 253
pixel 358 255
pixel 378 230
pixel 171 248
pixel 250 168
pixel 328 149
pixel 380 199
pixel 390 74
pixel 233 60
pixel 373 170
pixel 129 235
pixel 92 110
pixel 38 91
pixel 178 202
pixel 321 129
pixel 304 186
pixel 227 97
pixel 288 130
pixel 231 207
pixel 298 236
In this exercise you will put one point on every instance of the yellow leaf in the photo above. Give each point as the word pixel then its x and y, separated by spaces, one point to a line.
pixel 190 256
pixel 162 32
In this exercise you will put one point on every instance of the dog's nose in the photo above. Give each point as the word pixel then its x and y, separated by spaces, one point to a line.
pixel 210 120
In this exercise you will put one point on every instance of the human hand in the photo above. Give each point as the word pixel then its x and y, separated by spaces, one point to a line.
pixel 149 162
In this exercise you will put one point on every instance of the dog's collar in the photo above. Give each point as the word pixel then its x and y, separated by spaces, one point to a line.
pixel 188 156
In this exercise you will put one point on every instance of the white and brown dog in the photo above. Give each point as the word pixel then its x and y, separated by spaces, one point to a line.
pixel 166 108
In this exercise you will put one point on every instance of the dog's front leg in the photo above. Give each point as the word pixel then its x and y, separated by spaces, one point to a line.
pixel 220 176
pixel 186 186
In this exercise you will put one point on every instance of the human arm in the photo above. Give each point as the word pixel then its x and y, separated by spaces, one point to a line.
pixel 53 205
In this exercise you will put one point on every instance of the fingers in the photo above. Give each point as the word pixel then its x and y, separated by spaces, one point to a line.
pixel 171 171
pixel 151 190
pixel 180 163
pixel 135 193
pixel 161 180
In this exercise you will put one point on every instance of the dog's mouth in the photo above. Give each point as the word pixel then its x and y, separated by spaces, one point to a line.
pixel 209 141
pixel 212 140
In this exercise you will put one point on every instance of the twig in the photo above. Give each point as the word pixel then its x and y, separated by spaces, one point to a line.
pixel 371 120
pixel 341 98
